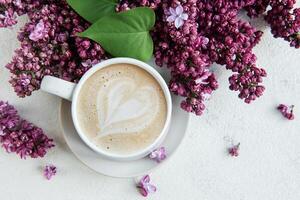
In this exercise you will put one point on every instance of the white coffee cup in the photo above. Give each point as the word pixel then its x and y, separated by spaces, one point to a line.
pixel 70 91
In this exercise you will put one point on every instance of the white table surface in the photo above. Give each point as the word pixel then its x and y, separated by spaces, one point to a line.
pixel 268 167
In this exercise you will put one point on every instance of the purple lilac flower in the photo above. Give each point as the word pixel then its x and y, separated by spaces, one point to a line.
pixel 49 171
pixel 234 150
pixel 287 111
pixel 145 187
pixel 177 16
pixel 158 155
pixel 19 136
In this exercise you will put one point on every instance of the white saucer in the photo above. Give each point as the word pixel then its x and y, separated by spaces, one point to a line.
pixel 122 169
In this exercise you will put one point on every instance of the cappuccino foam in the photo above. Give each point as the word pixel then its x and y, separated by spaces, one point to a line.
pixel 121 109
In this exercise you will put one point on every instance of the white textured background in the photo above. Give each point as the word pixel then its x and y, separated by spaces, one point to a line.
pixel 268 167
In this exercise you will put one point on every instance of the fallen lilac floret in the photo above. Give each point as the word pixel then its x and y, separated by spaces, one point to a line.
pixel 287 111
pixel 158 155
pixel 49 171
pixel 145 187
pixel 234 150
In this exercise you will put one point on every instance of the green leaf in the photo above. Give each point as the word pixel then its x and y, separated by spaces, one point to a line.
pixel 92 10
pixel 125 34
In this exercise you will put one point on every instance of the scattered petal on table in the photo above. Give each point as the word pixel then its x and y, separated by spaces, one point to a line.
pixel 234 150
pixel 144 186
pixel 158 155
pixel 49 171
pixel 287 111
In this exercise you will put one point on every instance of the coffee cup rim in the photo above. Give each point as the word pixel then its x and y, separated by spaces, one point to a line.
pixel 145 151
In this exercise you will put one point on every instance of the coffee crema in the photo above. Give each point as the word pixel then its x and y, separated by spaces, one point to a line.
pixel 121 108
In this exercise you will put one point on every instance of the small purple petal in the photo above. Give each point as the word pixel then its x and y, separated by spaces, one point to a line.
pixel 145 179
pixel 172 11
pixel 178 22
pixel 143 192
pixel 184 16
pixel 171 18
pixel 179 10
pixel 151 188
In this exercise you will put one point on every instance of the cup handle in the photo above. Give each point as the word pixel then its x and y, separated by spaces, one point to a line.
pixel 58 87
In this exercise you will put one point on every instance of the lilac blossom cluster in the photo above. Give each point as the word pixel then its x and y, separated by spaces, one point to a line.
pixel 19 136
pixel 49 46
pixel 10 9
pixel 189 36
pixel 283 18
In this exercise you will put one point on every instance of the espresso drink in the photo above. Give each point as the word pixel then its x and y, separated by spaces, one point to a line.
pixel 121 109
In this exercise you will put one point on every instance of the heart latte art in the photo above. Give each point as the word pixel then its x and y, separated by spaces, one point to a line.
pixel 121 108
pixel 125 107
